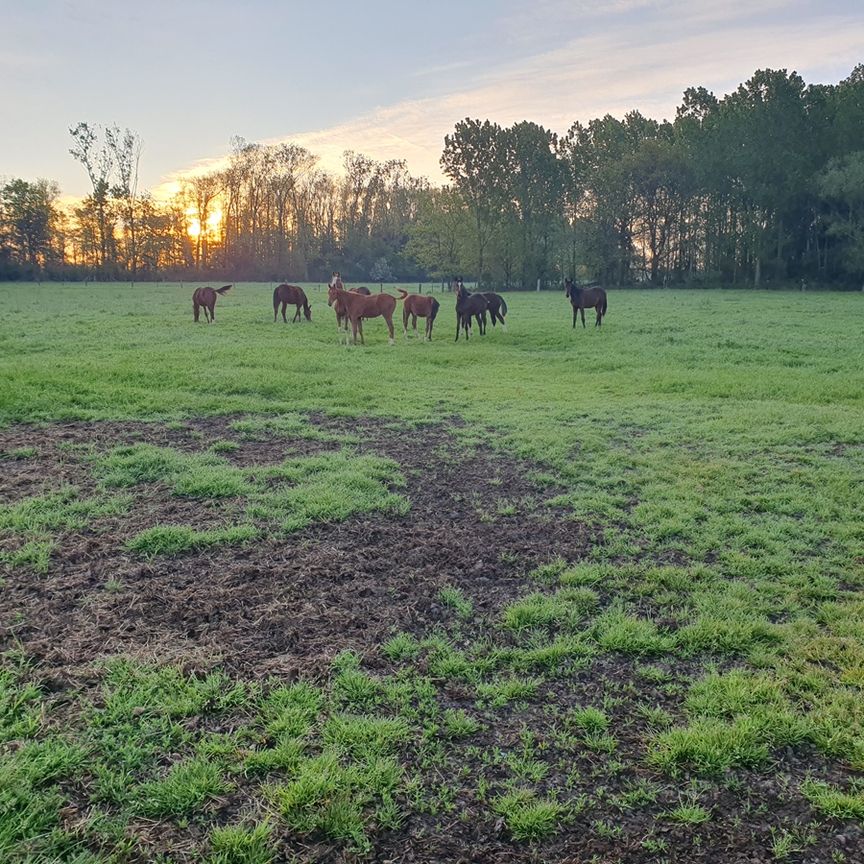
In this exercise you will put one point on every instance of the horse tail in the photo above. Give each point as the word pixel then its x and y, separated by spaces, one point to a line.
pixel 223 289
pixel 435 307
pixel 503 305
pixel 402 294
pixel 603 310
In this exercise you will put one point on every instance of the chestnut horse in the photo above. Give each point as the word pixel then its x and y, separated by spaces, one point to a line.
pixel 206 298
pixel 592 297
pixel 356 307
pixel 294 295
pixel 338 308
pixel 468 305
pixel 418 305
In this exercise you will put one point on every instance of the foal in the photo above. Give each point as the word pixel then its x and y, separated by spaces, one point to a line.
pixel 468 305
pixel 357 307
pixel 497 307
pixel 205 298
pixel 294 295
pixel 418 305
pixel 586 298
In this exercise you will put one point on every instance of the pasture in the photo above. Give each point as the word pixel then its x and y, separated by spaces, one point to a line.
pixel 546 595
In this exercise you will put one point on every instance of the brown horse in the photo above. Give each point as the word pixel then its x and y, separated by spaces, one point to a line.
pixel 206 298
pixel 362 289
pixel 294 295
pixel 356 307
pixel 497 307
pixel 468 305
pixel 338 307
pixel 418 305
pixel 591 297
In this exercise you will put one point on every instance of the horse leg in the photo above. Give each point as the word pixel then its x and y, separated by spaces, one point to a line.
pixel 360 330
pixel 575 313
pixel 458 322
pixel 599 315
pixel 195 311
pixel 405 322
pixel 414 322
pixel 296 314
pixel 389 320
pixel 582 313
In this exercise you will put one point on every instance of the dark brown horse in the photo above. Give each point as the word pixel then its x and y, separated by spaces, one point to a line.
pixel 497 307
pixel 470 305
pixel 356 307
pixel 205 298
pixel 362 289
pixel 293 295
pixel 590 297
pixel 418 305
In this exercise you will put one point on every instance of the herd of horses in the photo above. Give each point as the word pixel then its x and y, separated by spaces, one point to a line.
pixel 354 305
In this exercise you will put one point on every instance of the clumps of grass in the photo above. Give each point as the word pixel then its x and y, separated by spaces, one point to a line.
pixel 689 812
pixel 587 719
pixel 710 746
pixel 337 800
pixel 617 631
pixel 401 647
pixel 241 844
pixel 18 454
pixel 351 686
pixel 195 475
pixel 60 510
pixel 329 487
pixel 834 802
pixel 565 609
pixel 185 787
pixel 177 539
pixel 283 426
pixel 364 735
pixel 35 554
pixel 459 724
pixel 456 600
pixel 224 445
pixel 505 690
pixel 563 652
pixel 529 817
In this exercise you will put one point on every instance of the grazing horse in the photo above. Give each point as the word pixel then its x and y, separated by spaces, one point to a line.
pixel 497 307
pixel 294 295
pixel 356 307
pixel 206 298
pixel 468 305
pixel 362 289
pixel 422 305
pixel 592 297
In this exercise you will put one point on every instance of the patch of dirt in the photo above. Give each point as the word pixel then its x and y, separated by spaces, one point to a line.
pixel 274 607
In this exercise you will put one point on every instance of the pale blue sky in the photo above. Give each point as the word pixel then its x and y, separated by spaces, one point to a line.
pixel 384 77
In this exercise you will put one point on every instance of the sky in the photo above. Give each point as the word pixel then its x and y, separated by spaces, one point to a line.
pixel 389 79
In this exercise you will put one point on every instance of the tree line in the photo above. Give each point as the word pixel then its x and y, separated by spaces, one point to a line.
pixel 762 186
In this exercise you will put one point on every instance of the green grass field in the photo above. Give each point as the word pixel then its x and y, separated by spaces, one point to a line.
pixel 691 680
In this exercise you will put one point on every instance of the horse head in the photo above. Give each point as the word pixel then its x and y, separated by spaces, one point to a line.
pixel 332 293
pixel 568 286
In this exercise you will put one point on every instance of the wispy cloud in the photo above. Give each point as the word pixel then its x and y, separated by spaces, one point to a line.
pixel 606 70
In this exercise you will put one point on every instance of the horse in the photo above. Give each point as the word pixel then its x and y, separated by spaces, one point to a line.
pixel 497 307
pixel 362 289
pixel 356 307
pixel 422 305
pixel 294 295
pixel 338 307
pixel 206 298
pixel 592 297
pixel 468 305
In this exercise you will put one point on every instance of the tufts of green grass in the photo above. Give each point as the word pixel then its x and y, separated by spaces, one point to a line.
pixel 457 601
pixel 834 802
pixel 241 844
pixel 565 609
pixel 177 539
pixel 459 724
pixel 184 788
pixel 529 817
pixel 34 553
pixel 505 690
pixel 401 647
pixel 287 425
pixel 617 631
